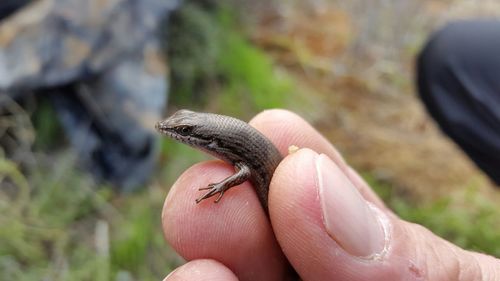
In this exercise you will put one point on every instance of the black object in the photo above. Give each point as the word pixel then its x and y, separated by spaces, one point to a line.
pixel 459 83
pixel 8 7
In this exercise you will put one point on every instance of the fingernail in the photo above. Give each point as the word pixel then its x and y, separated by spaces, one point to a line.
pixel 347 216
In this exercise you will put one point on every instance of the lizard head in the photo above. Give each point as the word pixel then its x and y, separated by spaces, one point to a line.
pixel 187 127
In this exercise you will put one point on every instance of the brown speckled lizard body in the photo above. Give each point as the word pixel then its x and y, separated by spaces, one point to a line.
pixel 254 157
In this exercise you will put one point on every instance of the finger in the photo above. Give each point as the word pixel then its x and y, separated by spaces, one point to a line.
pixel 201 270
pixel 234 231
pixel 285 128
pixel 328 231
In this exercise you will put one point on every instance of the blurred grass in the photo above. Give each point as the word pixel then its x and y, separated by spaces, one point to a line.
pixel 466 218
pixel 193 50
pixel 215 66
pixel 57 225
pixel 252 79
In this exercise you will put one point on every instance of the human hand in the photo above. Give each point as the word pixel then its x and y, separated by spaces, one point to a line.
pixel 324 220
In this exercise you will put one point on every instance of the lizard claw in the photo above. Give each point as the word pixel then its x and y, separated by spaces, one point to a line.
pixel 219 197
pixel 213 190
pixel 210 186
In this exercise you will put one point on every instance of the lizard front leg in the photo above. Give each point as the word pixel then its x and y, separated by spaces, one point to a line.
pixel 242 174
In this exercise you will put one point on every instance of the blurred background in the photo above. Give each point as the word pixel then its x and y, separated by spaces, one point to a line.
pixel 83 175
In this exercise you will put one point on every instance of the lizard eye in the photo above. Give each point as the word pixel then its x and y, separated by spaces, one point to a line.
pixel 184 130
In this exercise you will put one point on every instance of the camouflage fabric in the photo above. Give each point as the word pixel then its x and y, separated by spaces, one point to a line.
pixel 100 60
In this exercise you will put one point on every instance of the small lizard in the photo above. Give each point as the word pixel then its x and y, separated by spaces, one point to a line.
pixel 253 156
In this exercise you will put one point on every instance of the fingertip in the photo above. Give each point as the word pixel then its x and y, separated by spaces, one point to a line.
pixel 203 269
pixel 234 231
pixel 197 230
pixel 280 126
pixel 274 114
pixel 285 128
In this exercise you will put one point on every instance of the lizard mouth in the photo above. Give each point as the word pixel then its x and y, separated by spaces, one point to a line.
pixel 165 130
pixel 161 127
pixel 170 132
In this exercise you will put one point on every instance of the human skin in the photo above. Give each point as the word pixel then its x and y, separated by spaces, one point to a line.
pixel 324 220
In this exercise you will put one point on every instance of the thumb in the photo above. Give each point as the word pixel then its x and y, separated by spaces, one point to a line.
pixel 328 231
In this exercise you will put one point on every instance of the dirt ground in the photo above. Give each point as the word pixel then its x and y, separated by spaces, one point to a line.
pixel 357 57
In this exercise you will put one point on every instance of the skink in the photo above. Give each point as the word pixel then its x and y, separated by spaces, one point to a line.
pixel 253 156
